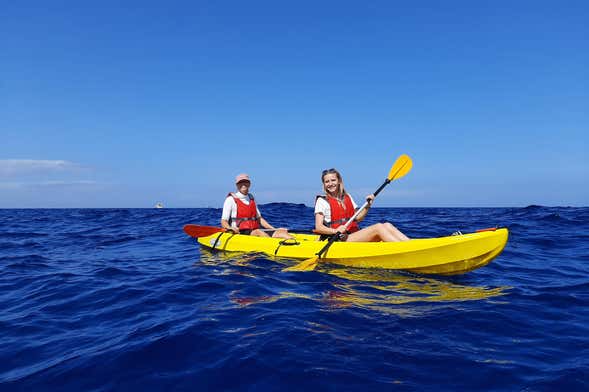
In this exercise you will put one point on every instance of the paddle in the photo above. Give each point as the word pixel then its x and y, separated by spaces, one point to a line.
pixel 197 231
pixel 202 231
pixel 401 167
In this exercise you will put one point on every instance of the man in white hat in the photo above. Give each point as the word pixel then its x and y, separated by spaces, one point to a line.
pixel 241 214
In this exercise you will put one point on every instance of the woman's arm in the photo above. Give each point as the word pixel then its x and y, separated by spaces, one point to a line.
pixel 362 215
pixel 320 228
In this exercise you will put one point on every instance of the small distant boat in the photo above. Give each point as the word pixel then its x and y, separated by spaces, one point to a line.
pixel 159 205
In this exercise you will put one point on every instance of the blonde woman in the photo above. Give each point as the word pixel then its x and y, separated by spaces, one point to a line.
pixel 336 207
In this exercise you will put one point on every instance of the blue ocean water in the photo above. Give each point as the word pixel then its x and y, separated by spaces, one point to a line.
pixel 122 299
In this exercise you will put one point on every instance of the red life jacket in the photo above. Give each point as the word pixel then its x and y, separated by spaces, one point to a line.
pixel 341 213
pixel 247 214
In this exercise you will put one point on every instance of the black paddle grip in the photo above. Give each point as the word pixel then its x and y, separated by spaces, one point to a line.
pixel 385 183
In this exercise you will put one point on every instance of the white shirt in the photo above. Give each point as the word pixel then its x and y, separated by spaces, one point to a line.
pixel 322 207
pixel 230 207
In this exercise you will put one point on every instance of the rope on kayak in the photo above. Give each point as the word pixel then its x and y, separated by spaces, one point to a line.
pixel 217 239
pixel 286 242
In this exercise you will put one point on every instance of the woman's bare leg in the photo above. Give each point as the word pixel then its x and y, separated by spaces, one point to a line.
pixel 374 233
pixel 396 232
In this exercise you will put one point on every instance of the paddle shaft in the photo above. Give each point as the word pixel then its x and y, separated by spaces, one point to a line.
pixel 380 188
pixel 265 229
pixel 197 231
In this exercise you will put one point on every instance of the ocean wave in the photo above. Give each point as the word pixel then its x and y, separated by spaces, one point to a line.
pixel 121 299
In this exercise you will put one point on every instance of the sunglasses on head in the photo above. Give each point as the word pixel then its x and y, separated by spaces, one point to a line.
pixel 328 171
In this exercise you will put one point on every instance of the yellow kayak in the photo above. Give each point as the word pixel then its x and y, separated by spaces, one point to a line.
pixel 450 255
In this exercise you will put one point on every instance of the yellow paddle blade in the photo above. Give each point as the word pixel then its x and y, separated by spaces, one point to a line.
pixel 402 166
pixel 305 265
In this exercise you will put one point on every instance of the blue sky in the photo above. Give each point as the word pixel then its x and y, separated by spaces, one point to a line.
pixel 109 105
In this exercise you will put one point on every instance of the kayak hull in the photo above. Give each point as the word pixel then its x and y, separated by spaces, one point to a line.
pixel 450 255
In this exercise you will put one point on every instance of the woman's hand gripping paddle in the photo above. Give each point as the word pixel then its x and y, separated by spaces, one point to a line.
pixel 401 167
